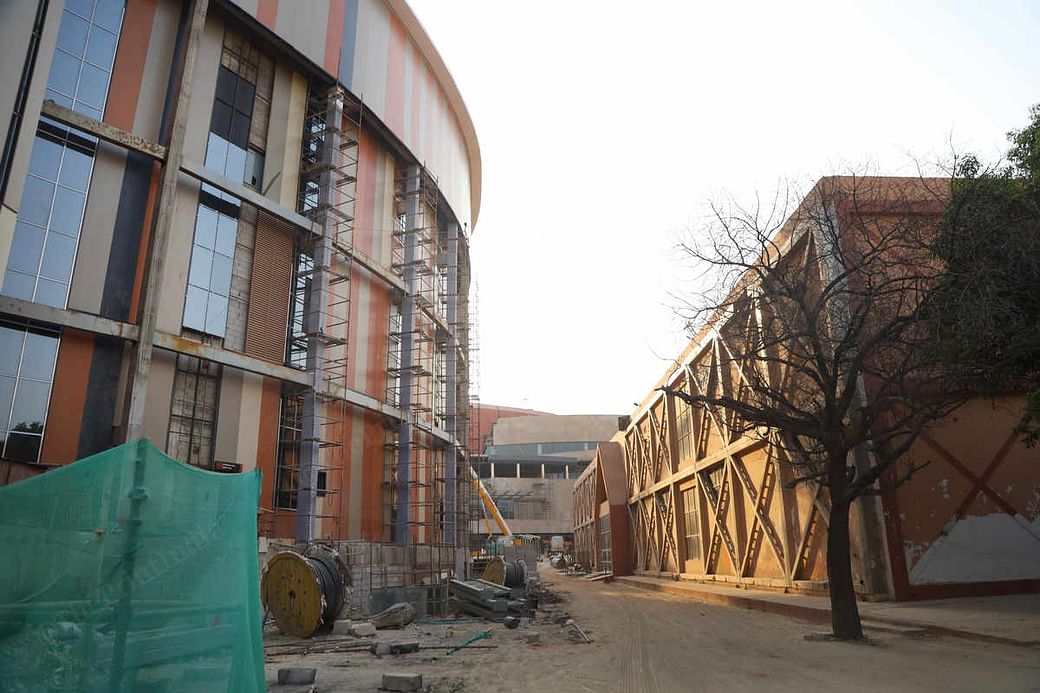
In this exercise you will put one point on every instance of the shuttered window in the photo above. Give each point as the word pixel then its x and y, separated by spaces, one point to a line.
pixel 268 317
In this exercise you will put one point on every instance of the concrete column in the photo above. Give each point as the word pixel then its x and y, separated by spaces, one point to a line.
pixel 315 318
pixel 408 356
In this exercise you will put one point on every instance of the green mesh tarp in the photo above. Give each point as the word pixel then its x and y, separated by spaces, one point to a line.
pixel 129 571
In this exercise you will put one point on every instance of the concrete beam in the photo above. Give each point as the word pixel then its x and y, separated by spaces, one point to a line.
pixel 87 322
pixel 103 131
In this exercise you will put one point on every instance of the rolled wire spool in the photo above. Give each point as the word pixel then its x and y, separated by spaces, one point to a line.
pixel 303 593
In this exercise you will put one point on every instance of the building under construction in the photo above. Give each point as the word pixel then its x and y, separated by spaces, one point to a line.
pixel 241 229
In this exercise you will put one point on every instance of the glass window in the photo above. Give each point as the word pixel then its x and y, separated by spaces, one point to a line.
pixel 81 68
pixel 684 429
pixel 27 358
pixel 193 411
pixel 43 250
pixel 692 525
pixel 606 556
pixel 209 273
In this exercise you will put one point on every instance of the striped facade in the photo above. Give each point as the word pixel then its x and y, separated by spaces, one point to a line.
pixel 412 117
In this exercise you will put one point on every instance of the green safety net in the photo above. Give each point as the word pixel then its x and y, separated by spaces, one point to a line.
pixel 129 571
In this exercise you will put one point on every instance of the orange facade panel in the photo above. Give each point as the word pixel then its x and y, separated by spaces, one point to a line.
pixel 268 317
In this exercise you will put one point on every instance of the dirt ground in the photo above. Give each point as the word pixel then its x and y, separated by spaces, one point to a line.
pixel 654 642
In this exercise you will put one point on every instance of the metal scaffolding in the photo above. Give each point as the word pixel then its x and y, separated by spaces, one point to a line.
pixel 327 195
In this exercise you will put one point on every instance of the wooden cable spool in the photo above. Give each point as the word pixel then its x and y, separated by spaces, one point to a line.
pixel 302 593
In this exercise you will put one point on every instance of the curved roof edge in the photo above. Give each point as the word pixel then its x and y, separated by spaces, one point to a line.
pixel 418 34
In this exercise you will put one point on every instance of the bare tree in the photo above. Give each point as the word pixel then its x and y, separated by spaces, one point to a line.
pixel 818 314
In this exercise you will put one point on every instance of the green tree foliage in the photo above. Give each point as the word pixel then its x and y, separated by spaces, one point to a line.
pixel 986 307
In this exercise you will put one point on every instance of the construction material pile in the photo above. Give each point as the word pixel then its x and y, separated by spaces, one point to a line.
pixel 490 600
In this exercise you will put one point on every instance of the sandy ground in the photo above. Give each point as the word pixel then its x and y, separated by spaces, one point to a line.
pixel 654 642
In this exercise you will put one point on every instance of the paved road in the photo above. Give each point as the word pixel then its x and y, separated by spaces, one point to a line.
pixel 649 642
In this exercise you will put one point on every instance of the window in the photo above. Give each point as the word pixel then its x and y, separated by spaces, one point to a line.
pixel 692 525
pixel 193 411
pixel 50 216
pixel 684 429
pixel 209 275
pixel 507 509
pixel 606 556
pixel 290 430
pixel 27 357
pixel 301 286
pixel 46 235
pixel 82 65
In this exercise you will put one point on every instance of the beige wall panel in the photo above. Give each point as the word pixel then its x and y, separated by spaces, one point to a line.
pixel 225 448
pixel 203 87
pixel 297 21
pixel 157 404
pixel 249 419
pixel 8 217
pixel 152 98
pixel 95 239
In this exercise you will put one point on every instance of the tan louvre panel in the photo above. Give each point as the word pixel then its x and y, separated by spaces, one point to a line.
pixel 268 317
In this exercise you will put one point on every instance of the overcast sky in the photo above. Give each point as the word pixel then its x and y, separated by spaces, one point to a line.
pixel 606 127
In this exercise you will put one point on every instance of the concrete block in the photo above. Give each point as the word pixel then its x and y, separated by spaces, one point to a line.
pixel 532 638
pixel 296 676
pixel 343 627
pixel 363 629
pixel 402 682
pixel 380 648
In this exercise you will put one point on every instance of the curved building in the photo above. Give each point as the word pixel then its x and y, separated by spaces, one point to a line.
pixel 240 228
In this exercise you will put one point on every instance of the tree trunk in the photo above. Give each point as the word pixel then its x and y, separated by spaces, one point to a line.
pixel 845 623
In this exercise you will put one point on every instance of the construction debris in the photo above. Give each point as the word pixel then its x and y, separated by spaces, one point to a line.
pixel 534 638
pixel 394 648
pixel 570 622
pixel 296 676
pixel 470 640
pixel 402 682
pixel 398 615
pixel 483 598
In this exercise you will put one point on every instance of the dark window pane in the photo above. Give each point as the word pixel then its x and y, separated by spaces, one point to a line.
pixel 68 211
pixel 10 350
pixel 46 156
pixel 58 257
pixel 23 448
pixel 64 73
pixel 220 121
pixel 72 34
pixel 239 135
pixel 93 86
pixel 244 98
pixel 19 285
pixel 109 14
pixel 30 406
pixel 6 398
pixel 226 82
pixel 101 49
pixel 36 201
pixel 75 169
pixel 26 248
pixel 51 293
pixel 38 360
